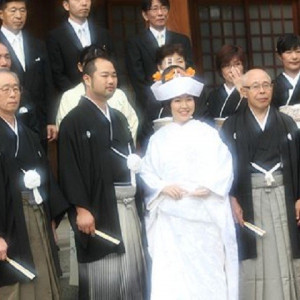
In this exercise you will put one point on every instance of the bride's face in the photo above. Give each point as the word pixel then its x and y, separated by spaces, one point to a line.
pixel 182 108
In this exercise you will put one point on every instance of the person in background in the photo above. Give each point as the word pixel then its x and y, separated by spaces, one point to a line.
pixel 26 112
pixel 265 148
pixel 287 84
pixel 31 205
pixel 140 58
pixel 65 43
pixel 30 62
pixel 225 100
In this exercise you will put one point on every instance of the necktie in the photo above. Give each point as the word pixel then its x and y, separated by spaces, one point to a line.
pixel 82 37
pixel 17 46
pixel 160 39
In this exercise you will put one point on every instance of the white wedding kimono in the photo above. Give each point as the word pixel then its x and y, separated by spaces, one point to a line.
pixel 192 241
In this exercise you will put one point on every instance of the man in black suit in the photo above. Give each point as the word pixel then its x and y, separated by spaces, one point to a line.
pixel 141 54
pixel 30 62
pixel 67 41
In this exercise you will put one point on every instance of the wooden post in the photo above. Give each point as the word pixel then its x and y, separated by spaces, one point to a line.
pixel 179 20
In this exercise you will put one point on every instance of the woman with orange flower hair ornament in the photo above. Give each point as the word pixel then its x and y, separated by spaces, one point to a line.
pixel 188 173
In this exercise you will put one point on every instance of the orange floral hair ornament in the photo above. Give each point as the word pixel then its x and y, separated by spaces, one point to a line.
pixel 156 76
pixel 189 72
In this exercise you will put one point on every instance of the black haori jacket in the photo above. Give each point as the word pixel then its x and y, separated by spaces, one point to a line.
pixel 13 228
pixel 237 136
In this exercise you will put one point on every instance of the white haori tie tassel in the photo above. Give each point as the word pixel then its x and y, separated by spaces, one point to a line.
pixel 32 181
pixel 134 163
pixel 268 174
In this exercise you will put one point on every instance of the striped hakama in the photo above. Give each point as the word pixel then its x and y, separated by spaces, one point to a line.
pixel 46 285
pixel 118 276
pixel 274 274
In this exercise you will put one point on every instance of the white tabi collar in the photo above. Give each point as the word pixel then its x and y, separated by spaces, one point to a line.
pixel 105 113
pixel 293 82
pixel 262 124
pixel 228 90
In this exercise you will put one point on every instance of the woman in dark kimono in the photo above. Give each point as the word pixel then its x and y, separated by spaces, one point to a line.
pixel 225 99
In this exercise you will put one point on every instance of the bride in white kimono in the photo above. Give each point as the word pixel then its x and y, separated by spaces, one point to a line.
pixel 188 173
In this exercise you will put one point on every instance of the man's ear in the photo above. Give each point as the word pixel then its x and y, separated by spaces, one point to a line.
pixel 66 5
pixel 243 92
pixel 86 79
pixel 79 67
pixel 144 14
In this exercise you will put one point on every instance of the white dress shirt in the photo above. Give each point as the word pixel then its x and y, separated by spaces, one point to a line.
pixel 160 36
pixel 16 42
pixel 82 31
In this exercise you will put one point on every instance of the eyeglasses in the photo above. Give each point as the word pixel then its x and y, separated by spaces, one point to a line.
pixel 6 89
pixel 156 9
pixel 266 86
pixel 13 10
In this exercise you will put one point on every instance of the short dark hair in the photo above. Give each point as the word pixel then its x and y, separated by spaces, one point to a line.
pixel 146 4
pixel 226 54
pixel 4 2
pixel 89 55
pixel 167 50
pixel 287 42
pixel 168 70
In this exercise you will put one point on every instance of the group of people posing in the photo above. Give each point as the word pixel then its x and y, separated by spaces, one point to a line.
pixel 210 211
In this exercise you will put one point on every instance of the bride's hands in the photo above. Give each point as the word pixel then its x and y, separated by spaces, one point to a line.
pixel 200 192
pixel 174 191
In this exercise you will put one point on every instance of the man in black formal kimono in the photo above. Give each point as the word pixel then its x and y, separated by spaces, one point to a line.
pixel 30 201
pixel 94 151
pixel 287 84
pixel 265 149
pixel 141 54
pixel 66 42
pixel 30 62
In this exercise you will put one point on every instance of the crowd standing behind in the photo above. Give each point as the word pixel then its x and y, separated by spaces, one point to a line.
pixel 183 169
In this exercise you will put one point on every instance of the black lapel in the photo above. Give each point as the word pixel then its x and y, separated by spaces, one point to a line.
pixel 282 88
pixel 71 36
pixel 16 65
pixel 149 43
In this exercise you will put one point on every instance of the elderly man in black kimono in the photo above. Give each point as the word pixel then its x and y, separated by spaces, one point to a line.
pixel 95 148
pixel 30 201
pixel 265 149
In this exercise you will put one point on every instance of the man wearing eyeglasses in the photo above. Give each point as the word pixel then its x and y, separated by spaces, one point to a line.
pixel 141 53
pixel 30 205
pixel 265 149
pixel 30 62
